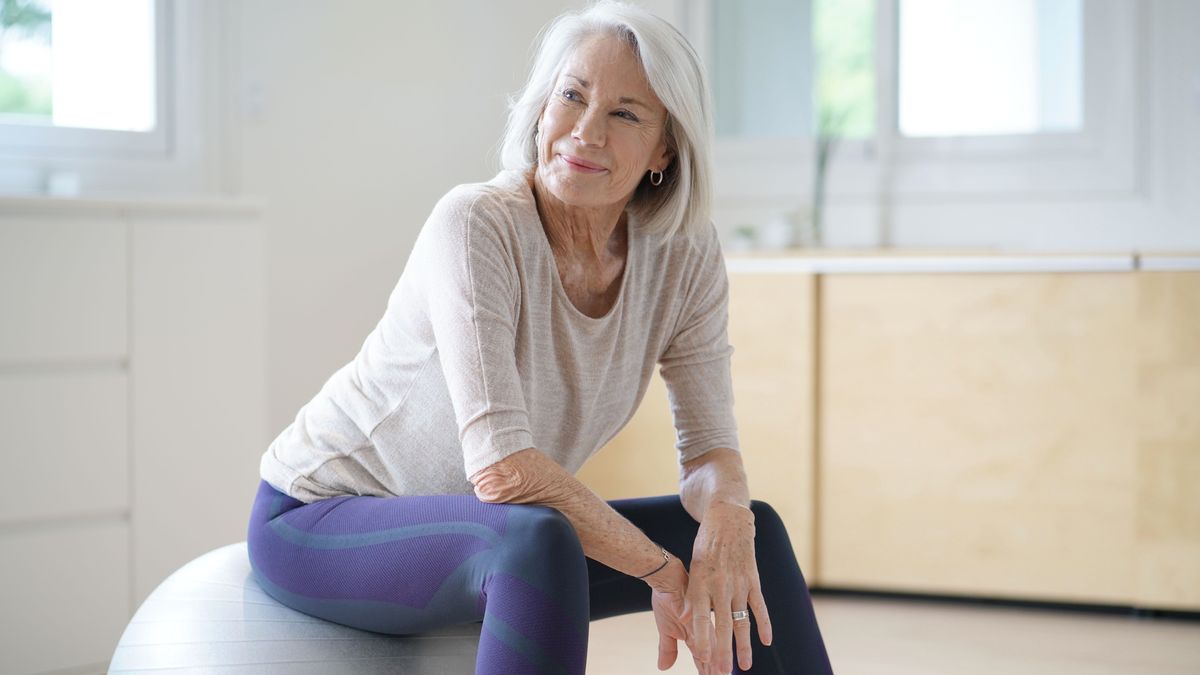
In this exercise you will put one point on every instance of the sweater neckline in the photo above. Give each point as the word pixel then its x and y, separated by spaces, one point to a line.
pixel 548 255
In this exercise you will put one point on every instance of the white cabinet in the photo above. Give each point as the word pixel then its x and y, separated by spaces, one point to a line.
pixel 132 410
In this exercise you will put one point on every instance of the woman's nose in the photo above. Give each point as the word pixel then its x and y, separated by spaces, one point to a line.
pixel 589 128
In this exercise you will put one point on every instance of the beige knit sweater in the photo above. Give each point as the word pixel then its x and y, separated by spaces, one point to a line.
pixel 480 354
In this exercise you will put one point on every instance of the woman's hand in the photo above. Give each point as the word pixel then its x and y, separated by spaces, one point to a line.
pixel 673 617
pixel 724 576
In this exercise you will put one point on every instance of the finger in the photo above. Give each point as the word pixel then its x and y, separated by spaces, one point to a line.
pixel 704 667
pixel 712 661
pixel 723 654
pixel 668 651
pixel 701 627
pixel 741 634
pixel 758 605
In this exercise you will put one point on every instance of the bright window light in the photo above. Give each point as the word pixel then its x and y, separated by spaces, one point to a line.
pixel 979 67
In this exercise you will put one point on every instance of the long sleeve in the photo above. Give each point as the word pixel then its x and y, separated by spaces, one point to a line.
pixel 472 291
pixel 696 363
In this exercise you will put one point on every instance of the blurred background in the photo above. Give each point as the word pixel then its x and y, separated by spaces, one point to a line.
pixel 963 240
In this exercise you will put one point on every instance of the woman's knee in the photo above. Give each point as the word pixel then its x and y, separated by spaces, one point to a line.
pixel 540 550
pixel 764 514
pixel 769 528
pixel 541 528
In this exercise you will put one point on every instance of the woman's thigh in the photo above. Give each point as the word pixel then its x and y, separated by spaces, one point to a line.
pixel 404 565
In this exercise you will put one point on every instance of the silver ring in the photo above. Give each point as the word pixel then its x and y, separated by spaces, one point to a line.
pixel 741 615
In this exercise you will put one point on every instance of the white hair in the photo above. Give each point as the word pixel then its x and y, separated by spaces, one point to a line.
pixel 682 203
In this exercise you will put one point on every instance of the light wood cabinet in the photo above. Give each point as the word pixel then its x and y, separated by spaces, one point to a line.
pixel 1015 434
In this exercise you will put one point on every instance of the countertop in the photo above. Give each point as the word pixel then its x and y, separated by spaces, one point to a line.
pixel 893 261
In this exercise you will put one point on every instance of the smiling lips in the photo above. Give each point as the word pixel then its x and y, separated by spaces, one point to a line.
pixel 582 165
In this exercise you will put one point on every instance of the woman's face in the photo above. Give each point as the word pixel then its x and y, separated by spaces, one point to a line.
pixel 602 127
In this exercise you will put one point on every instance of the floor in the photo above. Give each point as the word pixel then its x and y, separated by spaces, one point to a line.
pixel 870 636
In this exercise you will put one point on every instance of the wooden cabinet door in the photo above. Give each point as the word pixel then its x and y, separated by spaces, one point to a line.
pixel 979 434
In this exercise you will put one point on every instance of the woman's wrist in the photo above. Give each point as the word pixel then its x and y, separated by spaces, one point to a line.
pixel 672 577
pixel 734 506
pixel 666 558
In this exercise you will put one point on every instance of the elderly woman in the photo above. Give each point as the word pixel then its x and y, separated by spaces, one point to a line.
pixel 430 482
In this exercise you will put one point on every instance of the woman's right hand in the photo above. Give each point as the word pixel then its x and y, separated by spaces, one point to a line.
pixel 673 617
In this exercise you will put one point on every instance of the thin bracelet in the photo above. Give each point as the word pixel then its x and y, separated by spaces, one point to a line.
pixel 666 559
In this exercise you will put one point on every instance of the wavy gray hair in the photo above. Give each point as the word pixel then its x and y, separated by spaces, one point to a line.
pixel 682 203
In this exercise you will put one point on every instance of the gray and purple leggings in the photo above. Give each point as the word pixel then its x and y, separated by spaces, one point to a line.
pixel 403 565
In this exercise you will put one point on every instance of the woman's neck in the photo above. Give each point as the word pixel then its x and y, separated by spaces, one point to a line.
pixel 587 235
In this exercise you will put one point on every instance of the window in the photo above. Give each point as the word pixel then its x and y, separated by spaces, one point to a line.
pixel 81 77
pixel 129 106
pixel 922 96
pixel 784 68
pixel 73 63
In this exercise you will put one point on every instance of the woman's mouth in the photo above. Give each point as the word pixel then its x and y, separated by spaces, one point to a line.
pixel 581 165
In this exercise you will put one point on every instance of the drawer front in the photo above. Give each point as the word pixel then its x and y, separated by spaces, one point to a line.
pixel 63 290
pixel 66 440
pixel 65 593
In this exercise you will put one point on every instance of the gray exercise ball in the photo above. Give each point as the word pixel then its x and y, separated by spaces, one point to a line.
pixel 211 616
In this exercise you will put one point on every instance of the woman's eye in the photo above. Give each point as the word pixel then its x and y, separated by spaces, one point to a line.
pixel 627 115
pixel 570 94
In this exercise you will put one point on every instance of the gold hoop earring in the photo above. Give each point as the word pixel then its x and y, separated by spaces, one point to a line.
pixel 656 177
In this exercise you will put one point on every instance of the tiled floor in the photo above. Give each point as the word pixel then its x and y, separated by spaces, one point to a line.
pixel 867 636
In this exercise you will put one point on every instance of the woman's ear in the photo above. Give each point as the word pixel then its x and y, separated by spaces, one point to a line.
pixel 663 159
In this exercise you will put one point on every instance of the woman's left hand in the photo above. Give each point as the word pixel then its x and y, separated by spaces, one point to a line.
pixel 724 576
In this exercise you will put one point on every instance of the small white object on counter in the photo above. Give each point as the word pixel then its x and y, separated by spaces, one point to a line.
pixel 62 183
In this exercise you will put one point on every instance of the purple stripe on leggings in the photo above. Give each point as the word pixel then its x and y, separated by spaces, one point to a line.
pixel 426 563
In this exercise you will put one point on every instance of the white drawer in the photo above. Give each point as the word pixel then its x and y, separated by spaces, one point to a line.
pixel 66 443
pixel 65 594
pixel 63 290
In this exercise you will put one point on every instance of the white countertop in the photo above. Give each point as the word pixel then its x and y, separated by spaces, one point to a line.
pixel 115 205
pixel 905 262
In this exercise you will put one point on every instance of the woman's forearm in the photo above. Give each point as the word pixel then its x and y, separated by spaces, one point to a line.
pixel 530 477
pixel 715 476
